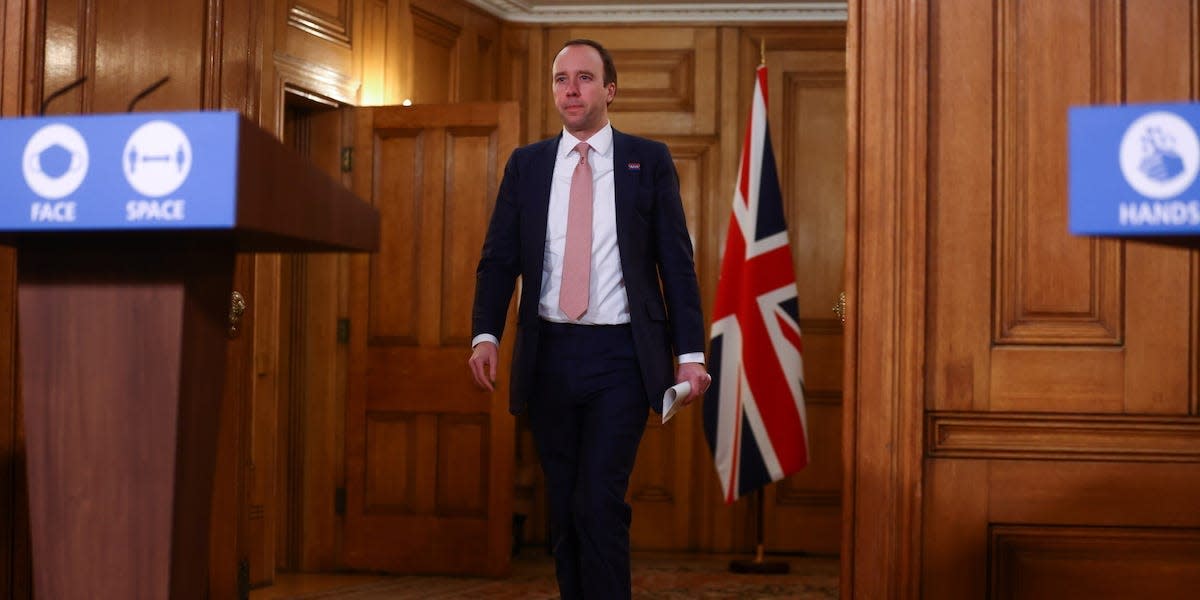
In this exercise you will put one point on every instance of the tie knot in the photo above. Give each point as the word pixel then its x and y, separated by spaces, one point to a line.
pixel 582 148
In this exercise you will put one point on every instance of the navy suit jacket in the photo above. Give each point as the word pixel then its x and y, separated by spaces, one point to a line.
pixel 656 260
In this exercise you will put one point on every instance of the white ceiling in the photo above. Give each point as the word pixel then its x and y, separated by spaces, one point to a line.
pixel 632 11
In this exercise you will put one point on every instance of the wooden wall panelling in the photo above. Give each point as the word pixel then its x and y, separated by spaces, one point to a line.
pixel 319 36
pixel 479 61
pixel 808 131
pixel 15 572
pixel 89 39
pixel 526 75
pixel 1063 562
pixel 232 80
pixel 1161 282
pixel 119 70
pixel 1018 529
pixel 1107 494
pixel 721 527
pixel 455 52
pixel 325 52
pixel 319 411
pixel 324 379
pixel 288 433
pixel 262 478
pixel 1107 369
pixel 955 555
pixel 664 78
pixel 1086 516
pixel 380 50
pixel 305 418
pixel 230 512
pixel 661 486
pixel 1060 395
pixel 1062 437
pixel 16 36
pixel 329 20
pixel 461 522
pixel 311 79
pixel 1083 297
pixel 1051 288
pixel 376 67
pixel 885 278
pixel 807 105
pixel 435 55
pixel 525 79
pixel 961 149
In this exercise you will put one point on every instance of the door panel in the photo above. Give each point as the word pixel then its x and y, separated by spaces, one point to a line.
pixel 1026 397
pixel 1077 383
pixel 802 513
pixel 429 458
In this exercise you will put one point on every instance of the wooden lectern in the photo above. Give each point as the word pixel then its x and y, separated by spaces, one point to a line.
pixel 123 339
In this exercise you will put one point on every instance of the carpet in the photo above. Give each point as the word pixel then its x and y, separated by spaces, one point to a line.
pixel 689 576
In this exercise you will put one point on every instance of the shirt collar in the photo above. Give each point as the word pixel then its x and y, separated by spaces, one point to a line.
pixel 601 142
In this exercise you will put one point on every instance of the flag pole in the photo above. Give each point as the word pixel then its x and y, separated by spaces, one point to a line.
pixel 758 566
pixel 742 277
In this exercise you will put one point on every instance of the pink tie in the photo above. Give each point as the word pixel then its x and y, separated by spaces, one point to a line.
pixel 577 257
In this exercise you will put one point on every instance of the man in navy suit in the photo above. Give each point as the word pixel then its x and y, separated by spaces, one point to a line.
pixel 588 372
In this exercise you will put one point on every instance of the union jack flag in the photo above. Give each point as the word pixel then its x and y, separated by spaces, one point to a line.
pixel 754 414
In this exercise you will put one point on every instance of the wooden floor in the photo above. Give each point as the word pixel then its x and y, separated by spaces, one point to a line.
pixel 655 576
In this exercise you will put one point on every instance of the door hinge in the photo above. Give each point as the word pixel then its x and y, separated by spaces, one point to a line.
pixel 343 331
pixel 339 501
pixel 347 159
pixel 243 580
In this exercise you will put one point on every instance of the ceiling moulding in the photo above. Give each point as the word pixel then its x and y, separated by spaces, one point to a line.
pixel 650 12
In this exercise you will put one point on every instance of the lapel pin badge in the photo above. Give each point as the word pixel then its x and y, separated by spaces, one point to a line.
pixel 634 166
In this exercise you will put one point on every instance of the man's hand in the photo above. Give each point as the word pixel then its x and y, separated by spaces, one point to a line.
pixel 483 365
pixel 694 374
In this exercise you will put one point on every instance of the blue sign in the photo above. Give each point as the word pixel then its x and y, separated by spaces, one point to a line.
pixel 1133 170
pixel 119 172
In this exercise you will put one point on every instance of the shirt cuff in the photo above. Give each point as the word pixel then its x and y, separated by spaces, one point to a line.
pixel 484 337
pixel 691 357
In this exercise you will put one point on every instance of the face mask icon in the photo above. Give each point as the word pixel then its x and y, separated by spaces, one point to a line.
pixel 55 161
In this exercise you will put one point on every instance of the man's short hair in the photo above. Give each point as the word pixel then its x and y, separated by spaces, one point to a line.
pixel 610 68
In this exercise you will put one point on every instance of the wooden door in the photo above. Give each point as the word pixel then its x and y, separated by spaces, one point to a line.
pixel 429 458
pixel 807 87
pixel 1026 399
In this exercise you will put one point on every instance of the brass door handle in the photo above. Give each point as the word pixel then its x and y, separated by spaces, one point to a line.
pixel 237 307
pixel 839 309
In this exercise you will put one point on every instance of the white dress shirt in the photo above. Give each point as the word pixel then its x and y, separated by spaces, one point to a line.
pixel 608 304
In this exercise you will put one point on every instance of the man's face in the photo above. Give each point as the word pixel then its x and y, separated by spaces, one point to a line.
pixel 579 91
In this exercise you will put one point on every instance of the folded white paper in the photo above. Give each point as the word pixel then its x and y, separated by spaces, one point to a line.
pixel 670 406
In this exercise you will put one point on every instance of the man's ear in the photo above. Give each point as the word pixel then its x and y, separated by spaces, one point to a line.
pixel 612 92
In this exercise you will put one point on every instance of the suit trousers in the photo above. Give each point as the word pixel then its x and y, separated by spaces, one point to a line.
pixel 587 418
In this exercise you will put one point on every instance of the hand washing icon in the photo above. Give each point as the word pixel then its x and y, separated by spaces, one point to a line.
pixel 55 162
pixel 1160 155
pixel 1161 162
